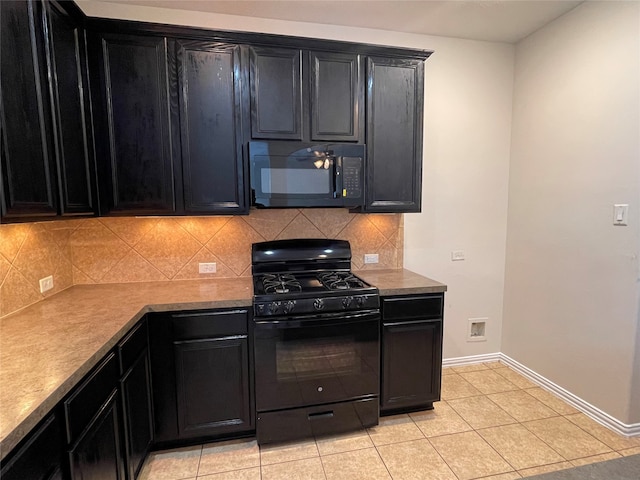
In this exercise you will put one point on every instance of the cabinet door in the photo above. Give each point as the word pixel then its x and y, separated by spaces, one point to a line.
pixel 137 141
pixel 395 91
pixel 211 127
pixel 96 455
pixel 69 91
pixel 136 400
pixel 212 378
pixel 337 96
pixel 40 458
pixel 276 93
pixel 27 165
pixel 411 364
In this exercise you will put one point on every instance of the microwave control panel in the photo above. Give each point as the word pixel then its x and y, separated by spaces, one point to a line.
pixel 351 177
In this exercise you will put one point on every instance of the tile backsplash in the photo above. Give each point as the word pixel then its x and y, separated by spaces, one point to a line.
pixel 142 249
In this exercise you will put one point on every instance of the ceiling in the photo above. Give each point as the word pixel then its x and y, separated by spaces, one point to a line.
pixel 490 20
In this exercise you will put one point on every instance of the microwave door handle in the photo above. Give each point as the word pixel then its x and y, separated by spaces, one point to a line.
pixel 337 177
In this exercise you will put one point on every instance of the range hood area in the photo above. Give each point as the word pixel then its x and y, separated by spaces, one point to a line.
pixel 127 118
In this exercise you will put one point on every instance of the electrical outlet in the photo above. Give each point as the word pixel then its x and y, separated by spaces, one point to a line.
pixel 370 258
pixel 457 255
pixel 46 284
pixel 207 267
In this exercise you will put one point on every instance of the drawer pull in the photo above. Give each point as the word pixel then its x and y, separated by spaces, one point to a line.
pixel 320 415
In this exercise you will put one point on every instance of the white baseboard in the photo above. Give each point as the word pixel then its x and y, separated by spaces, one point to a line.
pixel 603 418
pixel 470 360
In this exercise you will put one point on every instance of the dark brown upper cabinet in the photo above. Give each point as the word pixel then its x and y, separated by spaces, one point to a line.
pixel 71 108
pixel 276 93
pixel 395 95
pixel 136 157
pixel 337 97
pixel 46 158
pixel 305 95
pixel 210 97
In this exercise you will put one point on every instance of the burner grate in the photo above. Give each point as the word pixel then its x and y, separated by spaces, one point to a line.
pixel 340 280
pixel 280 283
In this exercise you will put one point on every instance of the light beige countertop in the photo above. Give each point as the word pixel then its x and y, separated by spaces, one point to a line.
pixel 400 282
pixel 47 348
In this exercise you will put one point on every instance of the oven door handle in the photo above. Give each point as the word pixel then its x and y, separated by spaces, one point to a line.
pixel 323 320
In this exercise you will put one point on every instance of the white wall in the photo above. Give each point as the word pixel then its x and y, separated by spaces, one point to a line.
pixel 466 158
pixel 465 178
pixel 571 285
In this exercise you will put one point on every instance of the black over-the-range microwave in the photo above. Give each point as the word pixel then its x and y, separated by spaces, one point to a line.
pixel 293 174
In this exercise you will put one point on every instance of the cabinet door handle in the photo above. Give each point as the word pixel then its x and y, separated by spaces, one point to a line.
pixel 320 415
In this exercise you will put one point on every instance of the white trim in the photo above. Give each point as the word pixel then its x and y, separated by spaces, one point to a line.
pixel 487 357
pixel 603 418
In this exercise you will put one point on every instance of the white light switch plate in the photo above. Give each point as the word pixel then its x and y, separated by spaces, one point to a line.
pixel 621 214
pixel 207 267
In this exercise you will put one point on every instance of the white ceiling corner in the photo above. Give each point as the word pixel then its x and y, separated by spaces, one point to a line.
pixel 489 20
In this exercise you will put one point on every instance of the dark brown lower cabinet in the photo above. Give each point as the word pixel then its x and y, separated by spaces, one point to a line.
pixel 135 393
pixel 200 372
pixel 92 413
pixel 136 403
pixel 411 352
pixel 212 379
pixel 40 457
pixel 96 455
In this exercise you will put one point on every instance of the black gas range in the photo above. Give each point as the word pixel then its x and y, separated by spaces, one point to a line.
pixel 316 338
pixel 309 292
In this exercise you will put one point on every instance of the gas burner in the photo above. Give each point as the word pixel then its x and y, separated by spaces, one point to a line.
pixel 340 280
pixel 280 283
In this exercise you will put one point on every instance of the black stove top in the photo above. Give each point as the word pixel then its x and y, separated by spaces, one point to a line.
pixel 307 276
pixel 307 282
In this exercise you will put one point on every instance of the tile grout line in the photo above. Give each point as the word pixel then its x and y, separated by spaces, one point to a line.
pixel 517 422
pixel 433 446
pixel 324 472
pixel 590 434
pixel 524 426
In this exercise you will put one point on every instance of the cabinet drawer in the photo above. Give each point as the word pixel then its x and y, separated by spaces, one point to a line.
pixel 190 326
pixel 326 419
pixel 130 348
pixel 87 399
pixel 415 306
pixel 40 457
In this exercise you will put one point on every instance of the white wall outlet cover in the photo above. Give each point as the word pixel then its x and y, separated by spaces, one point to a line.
pixel 457 255
pixel 371 258
pixel 46 284
pixel 207 267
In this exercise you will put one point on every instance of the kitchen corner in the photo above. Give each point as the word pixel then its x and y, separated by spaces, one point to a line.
pixel 48 347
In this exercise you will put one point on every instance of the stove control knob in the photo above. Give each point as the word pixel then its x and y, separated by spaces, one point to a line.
pixel 273 307
pixel 346 302
pixel 318 304
pixel 260 308
pixel 360 301
pixel 288 306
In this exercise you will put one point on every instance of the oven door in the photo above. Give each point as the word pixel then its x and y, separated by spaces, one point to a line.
pixel 316 359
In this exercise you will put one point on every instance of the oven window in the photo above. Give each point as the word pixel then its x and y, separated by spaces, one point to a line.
pixel 304 365
pixel 317 359
pixel 284 181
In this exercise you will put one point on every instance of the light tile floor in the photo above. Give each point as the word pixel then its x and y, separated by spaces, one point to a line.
pixel 492 423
